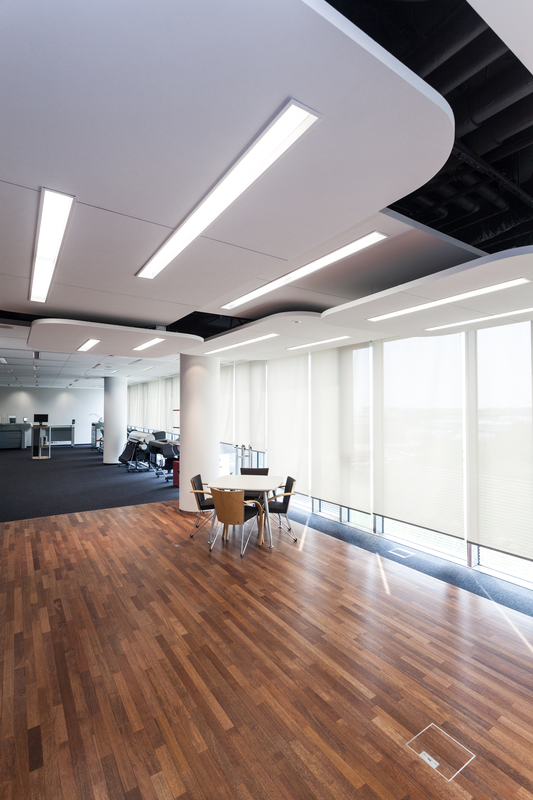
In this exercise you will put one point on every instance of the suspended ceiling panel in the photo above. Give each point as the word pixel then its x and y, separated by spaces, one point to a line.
pixel 114 340
pixel 484 272
pixel 138 111
pixel 513 22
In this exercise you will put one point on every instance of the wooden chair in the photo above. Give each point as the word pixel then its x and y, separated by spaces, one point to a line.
pixel 205 504
pixel 230 509
pixel 279 504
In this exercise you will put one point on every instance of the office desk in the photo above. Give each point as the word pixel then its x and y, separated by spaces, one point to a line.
pixel 261 484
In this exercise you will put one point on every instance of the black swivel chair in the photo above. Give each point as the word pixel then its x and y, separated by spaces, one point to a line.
pixel 279 504
pixel 205 504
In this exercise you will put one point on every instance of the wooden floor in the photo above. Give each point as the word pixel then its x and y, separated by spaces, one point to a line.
pixel 132 668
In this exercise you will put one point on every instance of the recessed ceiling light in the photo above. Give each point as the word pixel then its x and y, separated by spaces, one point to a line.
pixel 312 344
pixel 87 345
pixel 241 344
pixel 53 218
pixel 3 361
pixel 148 344
pixel 282 132
pixel 455 299
pixel 481 319
pixel 146 369
pixel 320 263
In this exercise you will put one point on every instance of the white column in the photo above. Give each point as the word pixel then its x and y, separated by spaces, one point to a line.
pixel 115 418
pixel 199 423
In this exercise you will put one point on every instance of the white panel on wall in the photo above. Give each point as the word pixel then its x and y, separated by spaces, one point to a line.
pixel 61 405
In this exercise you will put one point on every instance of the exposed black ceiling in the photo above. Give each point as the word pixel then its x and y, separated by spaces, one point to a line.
pixel 484 193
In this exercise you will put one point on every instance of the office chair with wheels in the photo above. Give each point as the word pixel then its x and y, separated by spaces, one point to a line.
pixel 205 504
pixel 231 509
pixel 279 504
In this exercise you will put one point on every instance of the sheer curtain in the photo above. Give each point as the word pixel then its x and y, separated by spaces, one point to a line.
pixel 250 404
pixel 505 440
pixel 288 419
pixel 421 452
pixel 226 404
pixel 340 427
pixel 133 404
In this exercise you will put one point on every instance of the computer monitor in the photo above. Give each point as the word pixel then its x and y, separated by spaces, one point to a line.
pixel 40 419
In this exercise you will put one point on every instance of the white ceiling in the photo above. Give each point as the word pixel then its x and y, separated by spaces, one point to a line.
pixel 138 110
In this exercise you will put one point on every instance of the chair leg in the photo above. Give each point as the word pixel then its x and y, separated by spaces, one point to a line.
pixel 200 521
pixel 244 544
pixel 212 541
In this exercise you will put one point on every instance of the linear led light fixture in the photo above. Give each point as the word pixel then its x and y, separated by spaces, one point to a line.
pixel 481 319
pixel 456 298
pixel 53 217
pixel 241 344
pixel 3 361
pixel 87 345
pixel 312 344
pixel 283 131
pixel 301 272
pixel 148 344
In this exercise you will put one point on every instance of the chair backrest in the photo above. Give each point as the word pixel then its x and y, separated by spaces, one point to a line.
pixel 197 485
pixel 229 506
pixel 160 434
pixel 254 470
pixel 288 489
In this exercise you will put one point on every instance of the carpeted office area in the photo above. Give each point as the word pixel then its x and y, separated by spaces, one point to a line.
pixel 73 479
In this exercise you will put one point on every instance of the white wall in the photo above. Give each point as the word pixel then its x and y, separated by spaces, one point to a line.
pixel 61 405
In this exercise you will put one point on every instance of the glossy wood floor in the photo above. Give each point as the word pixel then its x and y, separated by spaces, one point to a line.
pixel 132 668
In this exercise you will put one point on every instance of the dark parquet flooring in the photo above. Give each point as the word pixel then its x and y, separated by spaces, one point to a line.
pixel 132 669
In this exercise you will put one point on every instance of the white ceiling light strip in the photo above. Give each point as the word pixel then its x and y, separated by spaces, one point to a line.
pixel 286 128
pixel 87 345
pixel 313 344
pixel 314 266
pixel 455 299
pixel 151 343
pixel 481 319
pixel 241 344
pixel 53 218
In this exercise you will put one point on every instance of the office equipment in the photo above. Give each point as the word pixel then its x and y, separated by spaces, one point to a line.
pixel 12 420
pixel 40 419
pixel 40 442
pixel 62 434
pixel 13 435
pixel 136 456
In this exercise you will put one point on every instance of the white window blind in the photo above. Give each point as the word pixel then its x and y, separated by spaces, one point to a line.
pixel 226 404
pixel 505 440
pixel 250 404
pixel 288 418
pixel 166 404
pixel 143 406
pixel 152 412
pixel 133 404
pixel 340 427
pixel 176 385
pixel 422 448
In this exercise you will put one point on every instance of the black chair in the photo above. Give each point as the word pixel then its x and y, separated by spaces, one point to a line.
pixel 205 504
pixel 279 504
pixel 253 471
